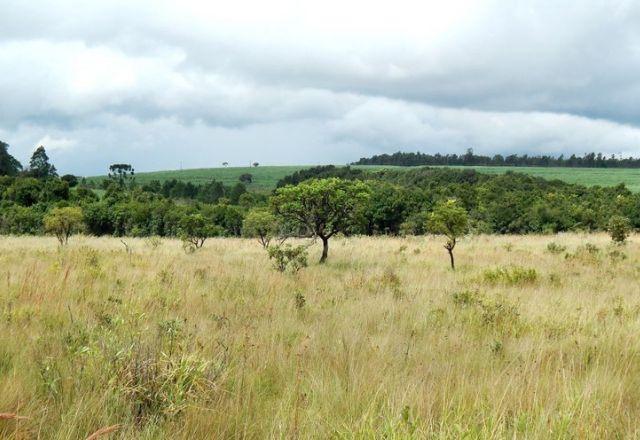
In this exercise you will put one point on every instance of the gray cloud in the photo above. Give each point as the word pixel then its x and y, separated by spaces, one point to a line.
pixel 159 83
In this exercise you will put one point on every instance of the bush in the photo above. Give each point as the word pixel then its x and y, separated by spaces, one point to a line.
pixel 619 228
pixel 514 275
pixel 62 222
pixel 555 248
pixel 288 257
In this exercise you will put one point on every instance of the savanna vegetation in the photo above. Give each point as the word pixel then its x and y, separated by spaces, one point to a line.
pixel 345 303
pixel 531 337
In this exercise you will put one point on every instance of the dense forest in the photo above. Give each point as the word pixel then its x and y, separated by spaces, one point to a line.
pixel 400 201
pixel 590 160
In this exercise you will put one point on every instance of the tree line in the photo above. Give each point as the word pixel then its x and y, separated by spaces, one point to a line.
pixel 588 160
pixel 318 203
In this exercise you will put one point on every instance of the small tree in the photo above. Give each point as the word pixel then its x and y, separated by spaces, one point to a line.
pixel 225 164
pixel 255 164
pixel 63 222
pixel 451 220
pixel 260 223
pixel 122 174
pixel 323 207
pixel 619 228
pixel 288 257
pixel 195 229
pixel 246 178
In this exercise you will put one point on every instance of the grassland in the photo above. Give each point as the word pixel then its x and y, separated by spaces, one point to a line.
pixel 266 177
pixel 384 341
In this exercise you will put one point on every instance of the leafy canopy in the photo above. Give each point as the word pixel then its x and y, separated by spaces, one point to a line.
pixel 449 219
pixel 9 165
pixel 63 222
pixel 323 207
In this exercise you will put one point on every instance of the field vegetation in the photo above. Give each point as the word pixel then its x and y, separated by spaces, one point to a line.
pixel 530 337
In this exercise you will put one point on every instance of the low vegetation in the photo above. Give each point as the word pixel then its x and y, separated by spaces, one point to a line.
pixel 380 342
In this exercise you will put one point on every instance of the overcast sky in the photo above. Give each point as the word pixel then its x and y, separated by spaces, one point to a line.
pixel 164 84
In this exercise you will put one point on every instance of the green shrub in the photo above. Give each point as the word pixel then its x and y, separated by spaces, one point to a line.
pixel 287 257
pixel 514 275
pixel 619 228
pixel 555 248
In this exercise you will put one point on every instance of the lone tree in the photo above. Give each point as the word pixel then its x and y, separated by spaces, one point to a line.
pixel 225 164
pixel 619 228
pixel 246 178
pixel 195 229
pixel 39 165
pixel 323 207
pixel 451 220
pixel 255 164
pixel 260 223
pixel 63 222
pixel 9 165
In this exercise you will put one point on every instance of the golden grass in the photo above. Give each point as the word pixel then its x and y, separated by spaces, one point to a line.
pixel 389 342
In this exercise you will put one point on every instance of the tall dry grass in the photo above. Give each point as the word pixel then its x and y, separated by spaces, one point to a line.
pixel 384 341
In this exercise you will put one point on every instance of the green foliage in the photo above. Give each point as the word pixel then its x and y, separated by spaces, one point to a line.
pixel 39 165
pixel 451 220
pixel 555 248
pixel 63 222
pixel 262 224
pixel 322 207
pixel 619 228
pixel 512 276
pixel 287 257
pixel 195 229
pixel 9 165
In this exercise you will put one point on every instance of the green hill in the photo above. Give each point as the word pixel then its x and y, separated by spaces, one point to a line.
pixel 266 177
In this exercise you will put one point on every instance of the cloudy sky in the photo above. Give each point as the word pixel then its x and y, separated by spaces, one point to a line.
pixel 164 84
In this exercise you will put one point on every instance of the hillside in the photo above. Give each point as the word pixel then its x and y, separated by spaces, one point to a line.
pixel 266 177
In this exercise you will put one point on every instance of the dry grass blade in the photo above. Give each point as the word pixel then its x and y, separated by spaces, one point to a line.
pixel 103 431
pixel 11 416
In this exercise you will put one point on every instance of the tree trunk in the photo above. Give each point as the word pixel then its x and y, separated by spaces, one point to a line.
pixel 325 249
pixel 453 264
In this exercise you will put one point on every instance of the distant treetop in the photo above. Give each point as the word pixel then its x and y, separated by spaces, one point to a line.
pixel 589 160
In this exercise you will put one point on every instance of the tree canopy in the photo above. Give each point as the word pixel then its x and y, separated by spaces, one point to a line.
pixel 9 165
pixel 39 165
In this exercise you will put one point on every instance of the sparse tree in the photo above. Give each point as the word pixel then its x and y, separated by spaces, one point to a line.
pixel 451 220
pixel 195 229
pixel 63 222
pixel 619 228
pixel 39 165
pixel 123 174
pixel 262 224
pixel 225 164
pixel 323 207
pixel 255 164
pixel 246 178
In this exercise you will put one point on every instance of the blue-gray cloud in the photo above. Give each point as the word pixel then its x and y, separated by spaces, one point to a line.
pixel 163 83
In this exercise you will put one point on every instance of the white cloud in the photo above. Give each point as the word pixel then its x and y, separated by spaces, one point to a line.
pixel 316 82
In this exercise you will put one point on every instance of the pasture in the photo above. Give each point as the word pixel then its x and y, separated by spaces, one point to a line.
pixel 266 177
pixel 524 340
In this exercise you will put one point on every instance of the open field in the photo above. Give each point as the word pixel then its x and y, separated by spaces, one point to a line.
pixel 382 341
pixel 266 177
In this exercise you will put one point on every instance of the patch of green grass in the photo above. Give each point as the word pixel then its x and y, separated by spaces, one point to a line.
pixel 266 177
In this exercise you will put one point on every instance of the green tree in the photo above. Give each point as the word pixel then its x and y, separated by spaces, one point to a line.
pixel 260 223
pixel 9 165
pixel 63 222
pixel 451 220
pixel 619 228
pixel 323 207
pixel 122 174
pixel 39 165
pixel 195 229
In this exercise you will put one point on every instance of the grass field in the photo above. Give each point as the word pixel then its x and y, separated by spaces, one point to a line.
pixel 266 177
pixel 384 341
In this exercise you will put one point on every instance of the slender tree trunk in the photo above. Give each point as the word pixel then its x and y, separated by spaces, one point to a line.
pixel 453 264
pixel 325 249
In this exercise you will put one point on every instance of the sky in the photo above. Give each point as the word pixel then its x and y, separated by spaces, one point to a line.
pixel 191 84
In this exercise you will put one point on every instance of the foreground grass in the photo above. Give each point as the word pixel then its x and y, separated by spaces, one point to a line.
pixel 383 341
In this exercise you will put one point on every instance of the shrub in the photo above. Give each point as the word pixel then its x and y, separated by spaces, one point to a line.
pixel 62 222
pixel 555 248
pixel 514 275
pixel 288 257
pixel 619 228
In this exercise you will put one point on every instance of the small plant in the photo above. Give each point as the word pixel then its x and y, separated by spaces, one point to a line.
pixel 288 257
pixel 497 348
pixel 555 248
pixel 153 242
pixel 300 301
pixel 514 275
pixel 619 228
pixel 466 298
pixel 617 255
pixel 391 280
